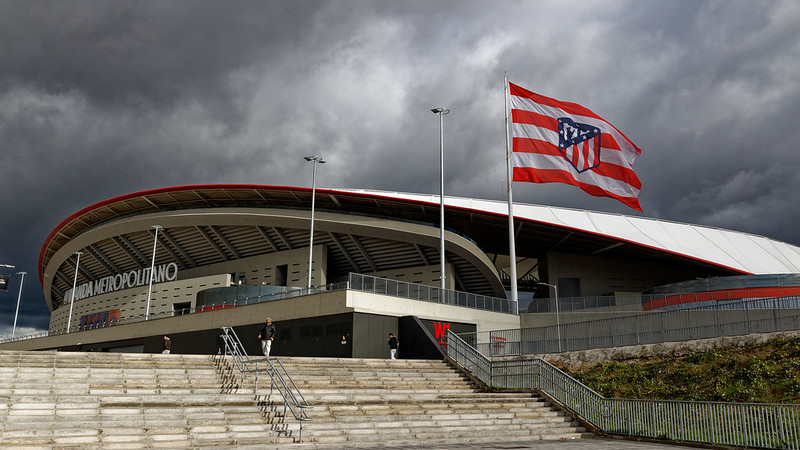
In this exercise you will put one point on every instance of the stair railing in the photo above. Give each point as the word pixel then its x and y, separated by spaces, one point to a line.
pixel 233 347
pixel 759 425
pixel 280 380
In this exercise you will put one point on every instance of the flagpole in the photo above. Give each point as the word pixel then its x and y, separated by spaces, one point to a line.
pixel 512 252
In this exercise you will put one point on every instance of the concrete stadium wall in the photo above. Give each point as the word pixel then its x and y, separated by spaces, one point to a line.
pixel 604 276
pixel 261 269
pixel 327 303
pixel 317 323
pixel 132 303
pixel 370 333
pixel 256 270
pixel 427 275
pixel 398 307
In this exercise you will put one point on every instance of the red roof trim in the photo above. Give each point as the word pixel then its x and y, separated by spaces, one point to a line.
pixel 332 191
pixel 459 208
pixel 121 198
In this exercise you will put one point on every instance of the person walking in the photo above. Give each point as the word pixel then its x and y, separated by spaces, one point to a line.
pixel 166 347
pixel 267 335
pixel 393 344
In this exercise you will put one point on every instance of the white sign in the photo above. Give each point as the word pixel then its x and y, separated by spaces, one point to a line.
pixel 127 280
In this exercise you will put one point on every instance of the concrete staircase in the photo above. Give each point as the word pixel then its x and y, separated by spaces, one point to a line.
pixel 376 403
pixel 117 400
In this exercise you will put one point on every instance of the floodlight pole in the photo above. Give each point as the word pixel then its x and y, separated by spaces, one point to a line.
pixel 441 112
pixel 20 290
pixel 315 160
pixel 19 296
pixel 558 320
pixel 152 269
pixel 72 296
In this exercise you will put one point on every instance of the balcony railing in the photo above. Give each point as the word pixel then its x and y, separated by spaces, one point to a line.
pixel 247 295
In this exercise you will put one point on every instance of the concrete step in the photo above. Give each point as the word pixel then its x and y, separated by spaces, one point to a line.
pixel 436 437
pixel 318 377
pixel 442 442
pixel 341 412
pixel 450 420
pixel 188 401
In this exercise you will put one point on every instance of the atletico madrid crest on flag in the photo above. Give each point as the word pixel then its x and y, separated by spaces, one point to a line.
pixel 561 142
pixel 579 143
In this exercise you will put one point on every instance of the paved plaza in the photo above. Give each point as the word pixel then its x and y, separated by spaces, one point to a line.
pixel 576 444
pixel 572 444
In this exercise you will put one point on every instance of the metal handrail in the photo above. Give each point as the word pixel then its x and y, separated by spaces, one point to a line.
pixel 234 348
pixel 293 399
pixel 717 423
pixel 426 293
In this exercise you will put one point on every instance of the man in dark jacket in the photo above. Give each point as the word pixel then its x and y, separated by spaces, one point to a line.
pixel 267 335
pixel 393 344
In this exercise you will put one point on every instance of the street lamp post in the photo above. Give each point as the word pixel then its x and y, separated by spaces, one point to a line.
pixel 72 296
pixel 558 319
pixel 152 268
pixel 8 265
pixel 19 296
pixel 20 291
pixel 441 112
pixel 314 160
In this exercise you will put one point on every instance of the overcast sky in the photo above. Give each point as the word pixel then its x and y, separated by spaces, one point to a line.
pixel 100 99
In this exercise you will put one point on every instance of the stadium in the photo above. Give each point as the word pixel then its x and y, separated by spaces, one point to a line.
pixel 374 266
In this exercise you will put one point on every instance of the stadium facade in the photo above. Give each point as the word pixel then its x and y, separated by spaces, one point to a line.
pixel 225 245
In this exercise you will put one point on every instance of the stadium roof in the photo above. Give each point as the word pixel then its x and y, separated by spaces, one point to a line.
pixel 740 252
pixel 539 229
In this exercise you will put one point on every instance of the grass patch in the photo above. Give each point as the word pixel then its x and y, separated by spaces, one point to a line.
pixel 767 372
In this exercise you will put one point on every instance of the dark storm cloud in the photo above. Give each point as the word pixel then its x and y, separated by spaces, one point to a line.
pixel 142 54
pixel 99 99
pixel 729 101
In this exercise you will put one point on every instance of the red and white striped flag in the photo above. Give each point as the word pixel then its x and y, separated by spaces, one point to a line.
pixel 559 142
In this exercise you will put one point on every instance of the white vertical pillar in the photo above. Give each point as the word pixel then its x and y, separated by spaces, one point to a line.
pixel 512 246
pixel 314 160
pixel 441 112
pixel 74 285
pixel 152 272
pixel 19 297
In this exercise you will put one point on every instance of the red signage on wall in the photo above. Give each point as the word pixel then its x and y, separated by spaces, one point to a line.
pixel 440 332
pixel 99 320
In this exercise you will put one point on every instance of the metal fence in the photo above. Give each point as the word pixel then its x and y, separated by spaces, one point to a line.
pixel 647 302
pixel 754 425
pixel 239 301
pixel 248 295
pixel 729 319
pixel 427 293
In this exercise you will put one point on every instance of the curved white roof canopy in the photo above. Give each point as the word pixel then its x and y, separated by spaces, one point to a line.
pixel 743 252
pixel 699 251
